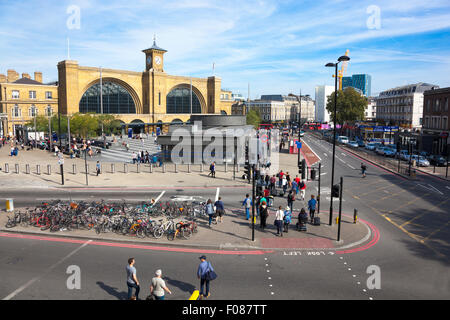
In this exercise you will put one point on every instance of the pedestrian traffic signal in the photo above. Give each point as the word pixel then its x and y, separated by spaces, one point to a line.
pixel 247 171
pixel 335 191
pixel 303 169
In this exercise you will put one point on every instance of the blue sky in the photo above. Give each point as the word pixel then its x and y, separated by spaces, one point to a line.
pixel 276 46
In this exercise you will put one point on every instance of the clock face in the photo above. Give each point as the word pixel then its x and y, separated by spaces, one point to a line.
pixel 158 60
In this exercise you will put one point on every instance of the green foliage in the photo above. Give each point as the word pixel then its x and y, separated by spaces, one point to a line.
pixel 84 125
pixel 253 118
pixel 350 106
pixel 110 124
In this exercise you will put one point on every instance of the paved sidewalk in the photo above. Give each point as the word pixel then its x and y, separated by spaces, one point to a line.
pixel 118 179
pixel 235 233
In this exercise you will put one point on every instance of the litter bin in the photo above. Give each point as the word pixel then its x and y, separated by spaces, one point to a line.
pixel 313 174
pixel 9 205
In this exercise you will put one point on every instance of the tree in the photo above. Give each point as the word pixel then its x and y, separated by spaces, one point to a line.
pixel 350 106
pixel 253 118
pixel 110 123
pixel 84 125
pixel 41 124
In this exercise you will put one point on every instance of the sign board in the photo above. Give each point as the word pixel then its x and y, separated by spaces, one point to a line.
pixel 299 144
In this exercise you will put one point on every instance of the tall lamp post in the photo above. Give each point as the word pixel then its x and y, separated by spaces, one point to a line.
pixel 300 124
pixel 335 65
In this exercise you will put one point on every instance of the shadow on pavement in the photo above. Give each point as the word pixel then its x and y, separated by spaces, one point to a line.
pixel 183 286
pixel 113 291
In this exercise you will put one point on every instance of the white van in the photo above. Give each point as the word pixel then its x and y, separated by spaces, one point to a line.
pixel 343 139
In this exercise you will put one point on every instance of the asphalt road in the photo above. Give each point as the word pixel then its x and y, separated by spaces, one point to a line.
pixel 412 253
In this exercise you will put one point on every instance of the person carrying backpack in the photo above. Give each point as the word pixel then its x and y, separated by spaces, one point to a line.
pixel 312 207
pixel 287 219
pixel 302 188
pixel 363 170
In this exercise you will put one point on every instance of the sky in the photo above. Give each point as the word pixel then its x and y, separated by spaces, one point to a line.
pixel 276 47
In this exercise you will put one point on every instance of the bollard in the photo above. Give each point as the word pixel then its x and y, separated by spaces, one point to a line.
pixel 113 168
pixel 9 205
pixel 201 167
pixel 74 168
pixel 226 167
pixel 189 168
pixel 176 168
pixel 38 169
pixel 49 169
pixel 151 167
pixel 337 220
pixel 138 168
pixel 27 169
pixel 125 168
pixel 355 216
pixel 164 168
pixel 237 168
pixel 17 168
pixel 6 168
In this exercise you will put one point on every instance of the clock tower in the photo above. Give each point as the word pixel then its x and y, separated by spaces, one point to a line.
pixel 154 58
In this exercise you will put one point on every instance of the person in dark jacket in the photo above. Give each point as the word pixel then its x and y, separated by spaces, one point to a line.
pixel 264 213
pixel 220 211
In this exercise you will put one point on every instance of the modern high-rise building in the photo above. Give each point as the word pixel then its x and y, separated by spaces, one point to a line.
pixel 362 82
pixel 322 94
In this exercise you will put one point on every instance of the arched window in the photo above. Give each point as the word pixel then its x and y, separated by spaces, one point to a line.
pixel 16 112
pixel 116 100
pixel 49 111
pixel 179 101
pixel 33 111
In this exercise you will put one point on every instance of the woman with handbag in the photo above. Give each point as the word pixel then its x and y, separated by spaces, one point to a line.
pixel 205 273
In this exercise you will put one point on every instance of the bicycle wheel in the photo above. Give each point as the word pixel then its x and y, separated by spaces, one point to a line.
pixel 140 233
pixel 171 235
pixel 158 233
pixel 186 233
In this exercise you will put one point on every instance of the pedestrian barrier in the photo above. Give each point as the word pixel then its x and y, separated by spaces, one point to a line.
pixel 17 168
pixel 9 205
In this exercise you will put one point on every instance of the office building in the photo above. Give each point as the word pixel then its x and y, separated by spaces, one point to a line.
pixel 321 97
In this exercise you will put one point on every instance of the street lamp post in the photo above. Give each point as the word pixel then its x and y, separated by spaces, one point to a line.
pixel 341 59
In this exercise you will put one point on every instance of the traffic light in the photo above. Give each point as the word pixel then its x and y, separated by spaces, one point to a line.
pixel 335 191
pixel 247 171
pixel 246 154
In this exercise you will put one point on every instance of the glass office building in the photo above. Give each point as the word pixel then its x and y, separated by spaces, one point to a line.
pixel 362 82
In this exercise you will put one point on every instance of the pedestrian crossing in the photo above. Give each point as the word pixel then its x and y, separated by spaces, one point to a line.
pixel 118 152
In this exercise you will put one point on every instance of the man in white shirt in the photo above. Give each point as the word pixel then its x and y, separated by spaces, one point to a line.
pixel 279 218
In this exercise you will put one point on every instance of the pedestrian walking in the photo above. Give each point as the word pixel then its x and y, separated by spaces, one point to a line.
pixel 284 184
pixel 132 281
pixel 290 200
pixel 279 220
pixel 210 211
pixel 204 272
pixel 98 167
pixel 302 188
pixel 247 205
pixel 213 169
pixel 134 157
pixel 264 213
pixel 280 177
pixel 158 286
pixel 312 207
pixel 287 219
pixel 363 170
pixel 220 211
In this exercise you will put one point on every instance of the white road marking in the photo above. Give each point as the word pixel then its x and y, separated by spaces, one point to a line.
pixel 351 167
pixel 448 187
pixel 29 283
pixel 325 155
pixel 431 189
pixel 435 189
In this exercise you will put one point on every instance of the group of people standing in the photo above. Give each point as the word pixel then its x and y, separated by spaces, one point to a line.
pixel 158 287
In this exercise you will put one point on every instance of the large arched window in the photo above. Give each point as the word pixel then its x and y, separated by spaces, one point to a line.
pixel 116 99
pixel 179 101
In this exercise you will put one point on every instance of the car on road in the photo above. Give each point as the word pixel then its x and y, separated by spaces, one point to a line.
pixel 402 154
pixel 353 144
pixel 380 150
pixel 342 139
pixel 360 143
pixel 389 152
pixel 437 160
pixel 371 146
pixel 420 161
